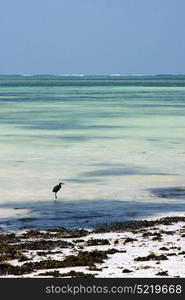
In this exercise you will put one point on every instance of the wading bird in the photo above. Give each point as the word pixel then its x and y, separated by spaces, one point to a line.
pixel 57 188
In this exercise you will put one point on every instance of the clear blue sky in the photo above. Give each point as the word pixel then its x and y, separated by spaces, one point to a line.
pixel 92 36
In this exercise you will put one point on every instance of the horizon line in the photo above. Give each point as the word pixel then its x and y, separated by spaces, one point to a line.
pixel 95 75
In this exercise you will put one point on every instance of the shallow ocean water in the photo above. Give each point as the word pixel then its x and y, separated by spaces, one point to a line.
pixel 112 140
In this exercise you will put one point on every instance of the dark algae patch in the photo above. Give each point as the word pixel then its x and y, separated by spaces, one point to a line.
pixel 126 271
pixel 162 273
pixel 9 252
pixel 55 233
pixel 135 225
pixel 171 254
pixel 85 258
pixel 113 251
pixel 94 268
pixel 8 269
pixel 164 249
pixel 151 256
pixel 45 253
pixel 72 274
pixel 33 234
pixel 78 241
pixel 181 253
pixel 11 249
pixel 129 240
pixel 68 233
pixel 45 245
pixel 167 232
pixel 170 192
pixel 54 273
pixel 157 238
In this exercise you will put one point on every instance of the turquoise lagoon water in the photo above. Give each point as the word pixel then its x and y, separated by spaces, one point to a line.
pixel 113 140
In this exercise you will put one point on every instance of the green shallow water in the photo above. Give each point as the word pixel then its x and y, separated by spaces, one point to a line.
pixel 112 140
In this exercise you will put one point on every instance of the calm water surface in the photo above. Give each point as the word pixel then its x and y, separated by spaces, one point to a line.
pixel 113 140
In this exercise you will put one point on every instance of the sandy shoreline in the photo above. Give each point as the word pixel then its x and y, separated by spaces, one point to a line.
pixel 145 248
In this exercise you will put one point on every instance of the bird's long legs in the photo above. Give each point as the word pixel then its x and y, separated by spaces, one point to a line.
pixel 55 195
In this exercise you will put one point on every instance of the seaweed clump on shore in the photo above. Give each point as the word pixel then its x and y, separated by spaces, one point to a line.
pixel 72 274
pixel 151 256
pixel 8 269
pixel 129 240
pixel 84 258
pixel 67 233
pixel 14 251
pixel 44 245
pixel 135 225
pixel 162 273
pixel 11 251
pixel 126 271
pixel 9 238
